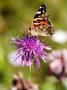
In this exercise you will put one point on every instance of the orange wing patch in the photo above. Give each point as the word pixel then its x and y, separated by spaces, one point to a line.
pixel 43 23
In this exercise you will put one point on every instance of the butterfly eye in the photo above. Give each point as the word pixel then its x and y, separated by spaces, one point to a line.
pixel 29 28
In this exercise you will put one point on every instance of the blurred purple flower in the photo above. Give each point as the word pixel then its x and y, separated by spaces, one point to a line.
pixel 30 48
pixel 58 63
pixel 19 82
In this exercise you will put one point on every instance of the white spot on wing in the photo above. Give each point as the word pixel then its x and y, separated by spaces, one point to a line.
pixel 39 12
pixel 43 11
pixel 40 7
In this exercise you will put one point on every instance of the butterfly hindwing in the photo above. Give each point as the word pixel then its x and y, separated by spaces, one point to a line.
pixel 41 24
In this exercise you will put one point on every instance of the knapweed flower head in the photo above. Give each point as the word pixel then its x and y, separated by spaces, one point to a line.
pixel 19 82
pixel 58 63
pixel 30 50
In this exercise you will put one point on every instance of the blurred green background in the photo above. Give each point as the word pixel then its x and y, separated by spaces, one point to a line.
pixel 15 18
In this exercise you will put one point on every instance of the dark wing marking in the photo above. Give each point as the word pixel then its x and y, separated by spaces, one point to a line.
pixel 41 11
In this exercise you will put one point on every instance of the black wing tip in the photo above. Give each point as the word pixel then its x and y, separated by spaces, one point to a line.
pixel 43 5
pixel 42 9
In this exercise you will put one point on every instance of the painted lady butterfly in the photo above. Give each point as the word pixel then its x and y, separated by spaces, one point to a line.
pixel 41 24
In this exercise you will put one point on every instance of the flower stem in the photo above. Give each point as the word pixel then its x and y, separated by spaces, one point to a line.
pixel 30 72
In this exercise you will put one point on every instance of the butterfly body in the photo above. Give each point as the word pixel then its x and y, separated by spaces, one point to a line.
pixel 41 24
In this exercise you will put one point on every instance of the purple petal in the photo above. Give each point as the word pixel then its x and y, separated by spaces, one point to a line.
pixel 37 59
pixel 43 56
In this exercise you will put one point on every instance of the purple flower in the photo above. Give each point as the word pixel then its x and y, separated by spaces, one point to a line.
pixel 30 50
pixel 58 63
